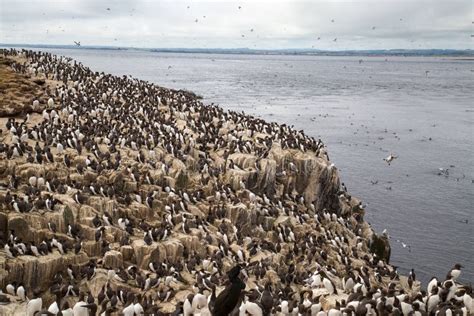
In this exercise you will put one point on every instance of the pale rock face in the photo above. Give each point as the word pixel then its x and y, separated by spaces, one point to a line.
pixel 113 259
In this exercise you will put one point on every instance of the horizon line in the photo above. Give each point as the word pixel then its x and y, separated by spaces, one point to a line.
pixel 450 51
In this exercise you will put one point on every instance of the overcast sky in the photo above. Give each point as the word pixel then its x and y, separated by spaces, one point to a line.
pixel 372 24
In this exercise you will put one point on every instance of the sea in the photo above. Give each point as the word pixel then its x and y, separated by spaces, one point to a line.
pixel 420 109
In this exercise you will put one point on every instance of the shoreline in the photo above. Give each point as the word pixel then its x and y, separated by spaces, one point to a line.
pixel 463 54
pixel 257 177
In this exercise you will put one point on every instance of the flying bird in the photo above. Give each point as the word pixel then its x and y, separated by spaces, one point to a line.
pixel 442 171
pixel 77 43
pixel 390 158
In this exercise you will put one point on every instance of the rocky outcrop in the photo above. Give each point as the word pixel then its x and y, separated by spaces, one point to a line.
pixel 33 271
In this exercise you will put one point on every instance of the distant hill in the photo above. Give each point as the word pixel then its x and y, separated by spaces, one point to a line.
pixel 290 51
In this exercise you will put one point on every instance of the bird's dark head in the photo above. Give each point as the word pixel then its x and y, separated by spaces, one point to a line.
pixel 416 306
pixel 36 293
pixel 457 266
pixel 234 272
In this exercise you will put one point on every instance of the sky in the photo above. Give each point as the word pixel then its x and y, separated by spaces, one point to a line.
pixel 257 24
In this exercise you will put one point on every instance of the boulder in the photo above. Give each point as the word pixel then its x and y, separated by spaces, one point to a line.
pixel 127 253
pixel 32 271
pixel 18 223
pixel 113 260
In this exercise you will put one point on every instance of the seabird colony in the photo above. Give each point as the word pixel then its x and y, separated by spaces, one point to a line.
pixel 122 197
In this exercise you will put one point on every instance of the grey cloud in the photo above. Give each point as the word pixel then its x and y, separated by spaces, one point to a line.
pixel 275 24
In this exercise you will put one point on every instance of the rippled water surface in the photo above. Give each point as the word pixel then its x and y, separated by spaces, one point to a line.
pixel 420 109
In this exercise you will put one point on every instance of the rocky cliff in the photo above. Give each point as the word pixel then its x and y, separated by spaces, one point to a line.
pixel 114 185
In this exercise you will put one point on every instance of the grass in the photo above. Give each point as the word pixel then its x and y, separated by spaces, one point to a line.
pixel 17 91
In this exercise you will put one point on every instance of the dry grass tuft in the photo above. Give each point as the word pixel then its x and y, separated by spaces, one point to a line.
pixel 17 91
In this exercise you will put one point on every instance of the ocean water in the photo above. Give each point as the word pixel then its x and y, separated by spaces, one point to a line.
pixel 363 108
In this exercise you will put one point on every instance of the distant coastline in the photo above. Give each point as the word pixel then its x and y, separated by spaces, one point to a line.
pixel 466 54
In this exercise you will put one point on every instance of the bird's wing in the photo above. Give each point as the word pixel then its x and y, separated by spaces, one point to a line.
pixel 221 299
